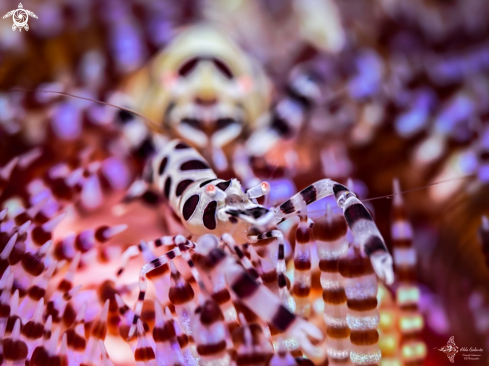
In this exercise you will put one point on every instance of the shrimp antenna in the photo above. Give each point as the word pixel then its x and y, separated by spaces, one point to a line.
pixel 419 188
pixel 151 122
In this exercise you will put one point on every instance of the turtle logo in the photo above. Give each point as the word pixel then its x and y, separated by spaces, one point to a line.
pixel 450 349
pixel 20 17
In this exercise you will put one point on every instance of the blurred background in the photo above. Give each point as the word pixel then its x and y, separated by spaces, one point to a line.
pixel 390 89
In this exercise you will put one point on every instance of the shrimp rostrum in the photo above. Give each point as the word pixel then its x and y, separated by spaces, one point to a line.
pixel 206 204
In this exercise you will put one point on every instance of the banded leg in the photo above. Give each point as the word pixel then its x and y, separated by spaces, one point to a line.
pixel 275 274
pixel 265 268
pixel 146 250
pixel 181 240
pixel 264 256
pixel 366 233
pixel 151 266
pixel 272 234
pixel 359 220
pixel 220 293
pixel 277 336
pixel 160 277
pixel 268 235
pixel 231 243
pixel 194 271
pixel 283 291
pixel 310 194
pixel 248 291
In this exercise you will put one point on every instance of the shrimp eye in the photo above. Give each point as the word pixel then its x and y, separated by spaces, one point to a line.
pixel 211 189
pixel 265 187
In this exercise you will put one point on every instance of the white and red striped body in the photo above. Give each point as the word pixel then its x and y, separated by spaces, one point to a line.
pixel 182 175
